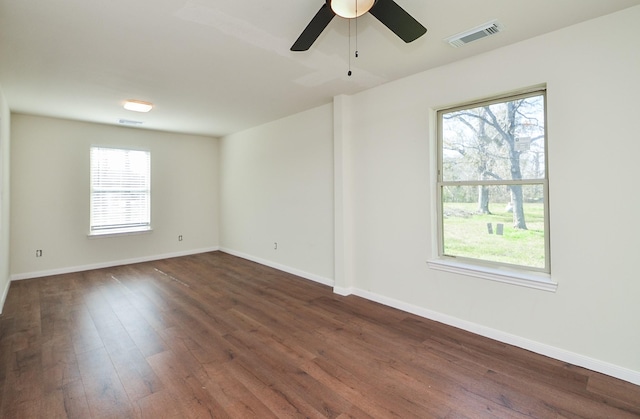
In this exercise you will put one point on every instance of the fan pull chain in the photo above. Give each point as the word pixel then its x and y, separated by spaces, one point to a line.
pixel 356 54
pixel 356 51
pixel 349 55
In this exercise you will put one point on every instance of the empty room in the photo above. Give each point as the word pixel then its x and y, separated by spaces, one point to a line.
pixel 340 208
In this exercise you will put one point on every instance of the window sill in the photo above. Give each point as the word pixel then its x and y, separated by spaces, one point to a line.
pixel 538 281
pixel 130 232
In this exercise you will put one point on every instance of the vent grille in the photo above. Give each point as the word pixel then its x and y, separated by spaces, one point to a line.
pixel 129 122
pixel 479 32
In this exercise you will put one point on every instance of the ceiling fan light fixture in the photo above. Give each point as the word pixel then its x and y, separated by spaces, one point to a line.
pixel 137 105
pixel 351 8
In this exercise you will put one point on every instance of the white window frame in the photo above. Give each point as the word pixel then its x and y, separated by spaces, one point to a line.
pixel 134 222
pixel 491 270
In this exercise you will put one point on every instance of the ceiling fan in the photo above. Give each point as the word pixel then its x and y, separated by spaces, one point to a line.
pixel 388 12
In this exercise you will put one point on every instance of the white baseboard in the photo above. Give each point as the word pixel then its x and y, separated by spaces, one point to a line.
pixel 4 296
pixel 537 347
pixel 313 277
pixel 344 291
pixel 109 264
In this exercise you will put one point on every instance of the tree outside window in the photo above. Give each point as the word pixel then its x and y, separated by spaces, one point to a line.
pixel 492 182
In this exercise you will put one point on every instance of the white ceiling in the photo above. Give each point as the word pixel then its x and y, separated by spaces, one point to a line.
pixel 216 67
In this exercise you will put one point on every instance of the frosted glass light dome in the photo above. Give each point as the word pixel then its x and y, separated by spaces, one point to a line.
pixel 351 8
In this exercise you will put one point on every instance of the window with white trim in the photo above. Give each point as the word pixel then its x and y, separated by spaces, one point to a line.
pixel 492 184
pixel 120 191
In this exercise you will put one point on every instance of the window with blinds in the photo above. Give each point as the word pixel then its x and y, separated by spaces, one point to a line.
pixel 120 191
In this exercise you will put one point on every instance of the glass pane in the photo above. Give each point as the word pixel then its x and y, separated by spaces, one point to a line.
pixel 501 141
pixel 495 223
pixel 120 188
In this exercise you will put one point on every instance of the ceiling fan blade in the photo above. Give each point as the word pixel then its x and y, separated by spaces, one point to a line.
pixel 398 20
pixel 314 29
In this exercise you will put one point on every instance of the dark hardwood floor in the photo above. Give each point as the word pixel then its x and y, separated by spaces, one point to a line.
pixel 213 335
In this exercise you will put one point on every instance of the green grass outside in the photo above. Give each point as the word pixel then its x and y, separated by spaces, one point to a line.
pixel 466 234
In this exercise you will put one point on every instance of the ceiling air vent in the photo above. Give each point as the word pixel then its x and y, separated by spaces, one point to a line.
pixel 479 32
pixel 129 122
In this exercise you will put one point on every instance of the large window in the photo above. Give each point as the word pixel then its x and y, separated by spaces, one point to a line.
pixel 120 190
pixel 492 183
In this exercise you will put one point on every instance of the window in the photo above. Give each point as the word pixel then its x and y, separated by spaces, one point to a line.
pixel 492 184
pixel 120 191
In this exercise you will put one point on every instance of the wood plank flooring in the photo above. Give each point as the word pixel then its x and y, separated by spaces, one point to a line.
pixel 212 335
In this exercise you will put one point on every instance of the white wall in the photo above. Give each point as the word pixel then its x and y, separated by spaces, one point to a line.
pixel 592 72
pixel 276 185
pixel 50 195
pixel 5 120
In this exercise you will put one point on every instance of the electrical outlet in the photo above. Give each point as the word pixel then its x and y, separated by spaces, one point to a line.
pixel 38 253
pixel 275 245
pixel 180 238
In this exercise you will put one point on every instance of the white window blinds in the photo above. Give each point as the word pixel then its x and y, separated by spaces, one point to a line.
pixel 120 190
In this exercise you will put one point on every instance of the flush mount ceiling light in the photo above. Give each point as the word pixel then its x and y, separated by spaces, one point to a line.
pixel 137 106
pixel 351 8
